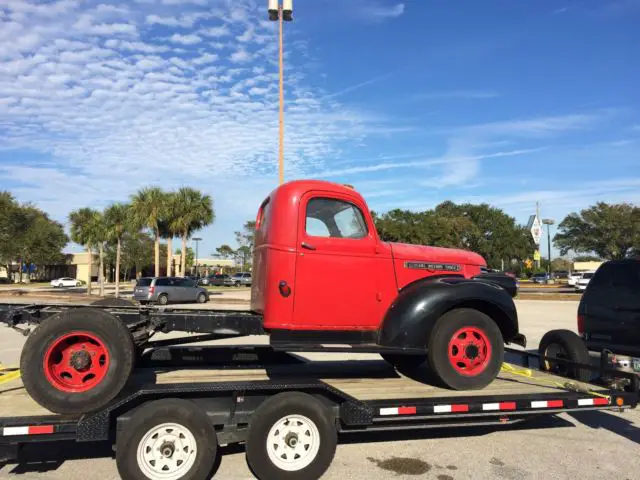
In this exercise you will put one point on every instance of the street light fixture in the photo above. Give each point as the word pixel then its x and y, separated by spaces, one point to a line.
pixel 196 239
pixel 548 222
pixel 279 11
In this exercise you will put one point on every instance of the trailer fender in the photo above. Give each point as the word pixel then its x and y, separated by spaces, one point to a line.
pixel 410 318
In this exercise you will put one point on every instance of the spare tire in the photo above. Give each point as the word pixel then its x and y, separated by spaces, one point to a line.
pixel 113 302
pixel 565 345
pixel 77 360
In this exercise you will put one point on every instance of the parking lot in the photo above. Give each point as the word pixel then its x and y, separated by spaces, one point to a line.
pixel 585 445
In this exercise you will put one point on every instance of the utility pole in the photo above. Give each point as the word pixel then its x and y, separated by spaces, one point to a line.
pixel 280 11
pixel 196 239
pixel 548 222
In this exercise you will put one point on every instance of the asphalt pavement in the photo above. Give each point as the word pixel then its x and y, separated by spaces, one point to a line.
pixel 587 445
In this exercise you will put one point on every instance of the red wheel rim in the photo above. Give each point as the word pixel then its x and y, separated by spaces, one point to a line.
pixel 469 351
pixel 76 362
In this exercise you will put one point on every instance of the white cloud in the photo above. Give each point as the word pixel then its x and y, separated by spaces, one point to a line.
pixel 185 39
pixel 377 11
pixel 109 107
pixel 219 31
pixel 240 56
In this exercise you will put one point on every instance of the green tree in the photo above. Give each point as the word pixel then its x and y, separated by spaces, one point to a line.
pixel 611 231
pixel 85 230
pixel 225 251
pixel 10 225
pixel 189 259
pixel 561 264
pixel 170 224
pixel 195 211
pixel 147 207
pixel 587 258
pixel 246 239
pixel 117 220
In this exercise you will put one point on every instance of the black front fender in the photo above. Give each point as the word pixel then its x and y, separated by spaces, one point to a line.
pixel 411 317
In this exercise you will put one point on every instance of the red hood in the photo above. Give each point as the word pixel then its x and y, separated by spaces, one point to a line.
pixel 403 251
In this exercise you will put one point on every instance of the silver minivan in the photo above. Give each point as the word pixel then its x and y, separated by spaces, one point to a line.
pixel 162 290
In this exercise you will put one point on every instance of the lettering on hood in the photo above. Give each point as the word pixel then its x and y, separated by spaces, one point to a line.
pixel 449 267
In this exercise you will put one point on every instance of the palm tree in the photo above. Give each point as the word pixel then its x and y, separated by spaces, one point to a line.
pixel 117 221
pixel 147 207
pixel 194 211
pixel 84 231
pixel 168 227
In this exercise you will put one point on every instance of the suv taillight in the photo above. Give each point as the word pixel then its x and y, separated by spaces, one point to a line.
pixel 151 290
pixel 581 324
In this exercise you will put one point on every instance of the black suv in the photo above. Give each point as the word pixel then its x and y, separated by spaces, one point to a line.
pixel 609 312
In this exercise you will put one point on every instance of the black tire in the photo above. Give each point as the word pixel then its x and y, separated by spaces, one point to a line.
pixel 163 299
pixel 117 341
pixel 272 411
pixel 565 344
pixel 113 302
pixel 439 363
pixel 404 361
pixel 183 413
pixel 202 298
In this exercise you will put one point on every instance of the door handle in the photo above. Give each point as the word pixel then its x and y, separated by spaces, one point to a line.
pixel 308 246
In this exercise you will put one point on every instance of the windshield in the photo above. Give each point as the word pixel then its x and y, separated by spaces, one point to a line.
pixel 587 276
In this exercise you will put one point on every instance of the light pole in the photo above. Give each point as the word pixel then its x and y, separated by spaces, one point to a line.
pixel 548 222
pixel 196 239
pixel 281 10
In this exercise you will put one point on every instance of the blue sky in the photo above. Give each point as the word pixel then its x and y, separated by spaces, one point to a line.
pixel 412 102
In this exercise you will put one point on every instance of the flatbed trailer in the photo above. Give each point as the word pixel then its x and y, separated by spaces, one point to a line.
pixel 184 402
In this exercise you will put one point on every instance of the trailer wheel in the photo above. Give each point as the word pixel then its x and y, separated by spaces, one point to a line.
pixel 77 360
pixel 465 349
pixel 167 440
pixel 292 437
pixel 566 345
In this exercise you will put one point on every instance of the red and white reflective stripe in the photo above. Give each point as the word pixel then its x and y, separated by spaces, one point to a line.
pixel 499 406
pixel 398 411
pixel 450 408
pixel 34 430
pixel 584 402
pixel 547 404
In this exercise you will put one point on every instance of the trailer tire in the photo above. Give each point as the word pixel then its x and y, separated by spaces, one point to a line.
pixel 465 350
pixel 98 343
pixel 307 422
pixel 567 345
pixel 173 426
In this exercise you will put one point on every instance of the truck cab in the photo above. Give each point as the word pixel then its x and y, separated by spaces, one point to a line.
pixel 322 275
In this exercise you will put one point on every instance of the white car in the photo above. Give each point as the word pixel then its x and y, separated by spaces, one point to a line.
pixel 65 282
pixel 583 281
pixel 573 278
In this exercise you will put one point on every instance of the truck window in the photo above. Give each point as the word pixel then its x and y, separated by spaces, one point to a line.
pixel 330 217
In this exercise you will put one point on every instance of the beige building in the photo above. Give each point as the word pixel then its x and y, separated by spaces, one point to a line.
pixel 81 263
pixel 586 266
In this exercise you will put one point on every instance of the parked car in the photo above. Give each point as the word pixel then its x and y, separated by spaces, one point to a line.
pixel 583 281
pixel 540 277
pixel 573 278
pixel 221 280
pixel 242 279
pixel 65 282
pixel 163 290
pixel 609 311
pixel 561 274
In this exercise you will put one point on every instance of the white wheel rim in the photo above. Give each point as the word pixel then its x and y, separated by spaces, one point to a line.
pixel 167 452
pixel 293 443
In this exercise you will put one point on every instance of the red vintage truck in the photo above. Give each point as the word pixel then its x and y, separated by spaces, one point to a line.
pixel 322 280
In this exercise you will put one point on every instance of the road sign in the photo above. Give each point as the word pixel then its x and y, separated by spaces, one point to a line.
pixel 535 227
pixel 536 255
pixel 528 263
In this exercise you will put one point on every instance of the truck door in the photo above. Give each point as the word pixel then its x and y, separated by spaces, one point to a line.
pixel 335 285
